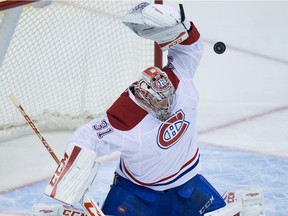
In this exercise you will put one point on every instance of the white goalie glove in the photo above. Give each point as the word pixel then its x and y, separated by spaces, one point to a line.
pixel 161 23
pixel 73 176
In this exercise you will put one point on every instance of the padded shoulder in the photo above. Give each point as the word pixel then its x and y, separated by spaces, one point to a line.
pixel 125 114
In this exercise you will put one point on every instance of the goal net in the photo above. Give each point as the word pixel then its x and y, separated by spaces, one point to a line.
pixel 67 61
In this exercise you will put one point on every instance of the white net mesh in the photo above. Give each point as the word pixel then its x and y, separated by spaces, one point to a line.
pixel 67 62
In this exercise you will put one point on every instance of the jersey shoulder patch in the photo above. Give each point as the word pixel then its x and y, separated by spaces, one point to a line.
pixel 125 114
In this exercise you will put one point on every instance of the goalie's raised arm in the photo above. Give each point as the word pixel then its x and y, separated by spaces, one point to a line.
pixel 163 24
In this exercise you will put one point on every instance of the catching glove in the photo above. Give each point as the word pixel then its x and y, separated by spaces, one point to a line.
pixel 161 23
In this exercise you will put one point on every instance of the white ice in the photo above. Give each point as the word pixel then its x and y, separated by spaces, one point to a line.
pixel 243 112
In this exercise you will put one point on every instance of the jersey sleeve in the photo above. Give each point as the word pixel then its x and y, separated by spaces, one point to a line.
pixel 114 131
pixel 184 58
pixel 99 136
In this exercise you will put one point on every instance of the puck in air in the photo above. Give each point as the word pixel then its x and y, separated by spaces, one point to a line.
pixel 219 47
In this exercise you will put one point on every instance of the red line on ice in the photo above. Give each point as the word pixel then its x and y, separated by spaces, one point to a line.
pixel 245 119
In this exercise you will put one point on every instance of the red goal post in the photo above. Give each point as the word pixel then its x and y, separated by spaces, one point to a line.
pixel 66 61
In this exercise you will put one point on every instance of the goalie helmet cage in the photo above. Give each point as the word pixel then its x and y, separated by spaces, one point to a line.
pixel 66 61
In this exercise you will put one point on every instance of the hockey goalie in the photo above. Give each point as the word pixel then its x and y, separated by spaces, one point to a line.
pixel 153 125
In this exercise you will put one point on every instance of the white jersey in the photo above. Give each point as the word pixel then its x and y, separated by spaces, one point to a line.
pixel 155 154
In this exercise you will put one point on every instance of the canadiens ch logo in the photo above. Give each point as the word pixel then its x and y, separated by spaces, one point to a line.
pixel 172 130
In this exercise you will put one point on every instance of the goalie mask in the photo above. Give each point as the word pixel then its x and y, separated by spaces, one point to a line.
pixel 155 93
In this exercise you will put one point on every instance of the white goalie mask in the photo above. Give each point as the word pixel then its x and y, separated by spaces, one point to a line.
pixel 155 93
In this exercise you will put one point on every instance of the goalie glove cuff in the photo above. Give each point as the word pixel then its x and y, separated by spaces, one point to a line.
pixel 194 35
pixel 170 37
pixel 187 25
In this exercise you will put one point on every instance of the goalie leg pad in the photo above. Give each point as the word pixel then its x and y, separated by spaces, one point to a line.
pixel 73 176
pixel 231 209
pixel 55 210
pixel 244 202
pixel 252 201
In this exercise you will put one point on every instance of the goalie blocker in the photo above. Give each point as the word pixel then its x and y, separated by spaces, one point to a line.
pixel 73 176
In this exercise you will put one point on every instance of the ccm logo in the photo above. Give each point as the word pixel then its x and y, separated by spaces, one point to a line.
pixel 206 206
pixel 59 170
pixel 252 194
pixel 92 209
pixel 46 211
pixel 179 40
pixel 72 213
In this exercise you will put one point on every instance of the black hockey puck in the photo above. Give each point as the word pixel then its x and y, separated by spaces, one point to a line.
pixel 219 47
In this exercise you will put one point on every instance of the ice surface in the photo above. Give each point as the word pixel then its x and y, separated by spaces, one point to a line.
pixel 225 168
